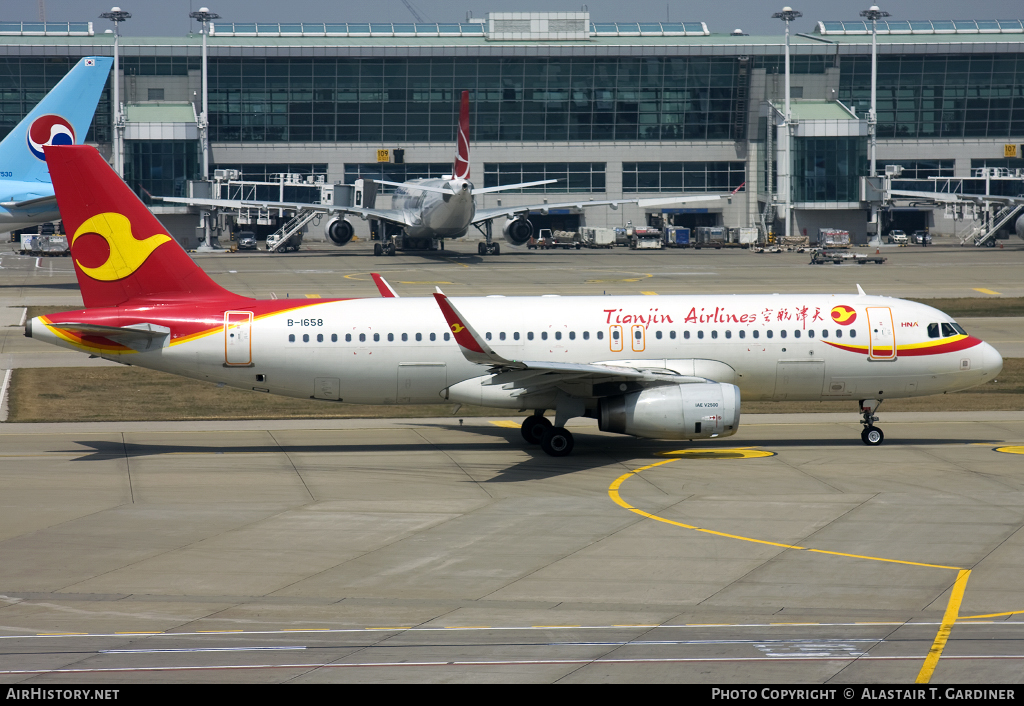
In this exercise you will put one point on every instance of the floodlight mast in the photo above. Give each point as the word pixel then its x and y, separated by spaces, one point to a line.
pixel 873 14
pixel 203 16
pixel 117 16
pixel 787 15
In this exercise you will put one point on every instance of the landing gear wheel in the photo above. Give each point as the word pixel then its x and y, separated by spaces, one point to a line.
pixel 557 441
pixel 441 243
pixel 481 249
pixel 496 249
pixel 377 249
pixel 534 427
pixel 872 436
pixel 392 249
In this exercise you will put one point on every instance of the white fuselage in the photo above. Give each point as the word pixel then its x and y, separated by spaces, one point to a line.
pixel 436 215
pixel 386 351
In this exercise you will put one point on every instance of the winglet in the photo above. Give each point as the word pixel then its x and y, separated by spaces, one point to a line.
pixel 472 344
pixel 860 291
pixel 385 289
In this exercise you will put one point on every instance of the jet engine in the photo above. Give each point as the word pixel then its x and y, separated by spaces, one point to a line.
pixel 339 230
pixel 517 230
pixel 1019 227
pixel 689 411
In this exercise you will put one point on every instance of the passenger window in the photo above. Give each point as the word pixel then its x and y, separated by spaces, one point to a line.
pixel 714 334
pixel 348 338
pixel 586 335
pixel 839 333
pixel 391 337
pixel 600 335
pixel 334 338
pixel 291 338
pixel 543 335
pixel 558 335
pixel 305 338
pixel 658 335
pixel 515 335
pixel 796 333
pixel 728 334
pixel 362 338
pixel 319 338
pixel 769 333
pixel 824 333
pixel 671 334
pixel 853 333
pixel 700 334
pixel 948 330
pixel 433 337
pixel 487 335
pixel 447 336
pixel 757 334
pixel 743 334
pixel 376 338
pixel 615 335
pixel 782 333
pixel 419 336
pixel 572 335
pixel 501 336
pixel 405 337
pixel 529 335
pixel 933 331
pixel 686 335
pixel 810 333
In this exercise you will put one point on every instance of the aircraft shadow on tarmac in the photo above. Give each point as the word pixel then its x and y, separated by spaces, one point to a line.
pixel 46 285
pixel 591 451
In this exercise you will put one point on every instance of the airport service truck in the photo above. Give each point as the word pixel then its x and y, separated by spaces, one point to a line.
pixel 597 237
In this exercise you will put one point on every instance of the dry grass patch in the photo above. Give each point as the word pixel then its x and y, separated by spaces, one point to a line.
pixel 137 394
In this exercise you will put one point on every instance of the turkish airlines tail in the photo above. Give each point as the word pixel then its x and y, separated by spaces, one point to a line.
pixel 460 170
pixel 121 251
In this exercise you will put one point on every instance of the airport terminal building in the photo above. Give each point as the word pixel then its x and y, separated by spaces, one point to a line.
pixel 609 109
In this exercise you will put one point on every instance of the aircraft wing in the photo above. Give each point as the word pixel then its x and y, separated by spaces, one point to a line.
pixel 385 214
pixel 50 200
pixel 534 376
pixel 486 214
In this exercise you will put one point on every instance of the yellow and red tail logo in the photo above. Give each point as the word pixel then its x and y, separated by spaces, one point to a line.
pixel 844 315
pixel 458 328
pixel 126 252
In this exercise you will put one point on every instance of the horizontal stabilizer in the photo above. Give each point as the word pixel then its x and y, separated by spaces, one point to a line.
pixel 141 337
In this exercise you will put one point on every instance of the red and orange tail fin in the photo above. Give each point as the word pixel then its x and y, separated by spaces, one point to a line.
pixel 121 251
pixel 460 170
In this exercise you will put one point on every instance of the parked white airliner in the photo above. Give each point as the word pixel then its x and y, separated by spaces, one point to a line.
pixel 665 367
pixel 428 211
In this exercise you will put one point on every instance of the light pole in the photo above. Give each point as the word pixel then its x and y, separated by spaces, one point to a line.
pixel 204 16
pixel 788 14
pixel 117 16
pixel 874 14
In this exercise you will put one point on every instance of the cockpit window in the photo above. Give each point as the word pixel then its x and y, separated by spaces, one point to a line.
pixel 933 331
pixel 948 330
pixel 959 329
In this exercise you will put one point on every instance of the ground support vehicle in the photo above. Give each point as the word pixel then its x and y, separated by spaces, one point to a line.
pixel 27 243
pixel 646 239
pixel 548 240
pixel 831 238
pixel 52 245
pixel 677 237
pixel 710 237
pixel 597 237
pixel 843 257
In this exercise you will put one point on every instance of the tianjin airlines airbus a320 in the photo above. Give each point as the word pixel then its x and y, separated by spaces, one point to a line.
pixel 667 367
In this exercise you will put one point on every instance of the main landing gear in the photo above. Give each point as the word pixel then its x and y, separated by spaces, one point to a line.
pixel 872 435
pixel 490 247
pixel 555 441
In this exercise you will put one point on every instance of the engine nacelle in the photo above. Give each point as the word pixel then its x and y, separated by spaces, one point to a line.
pixel 1019 227
pixel 689 411
pixel 339 230
pixel 518 231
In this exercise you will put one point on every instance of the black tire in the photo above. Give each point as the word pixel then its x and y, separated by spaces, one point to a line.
pixel 481 248
pixel 392 250
pixel 872 436
pixel 557 441
pixel 497 249
pixel 534 427
pixel 377 249
pixel 441 243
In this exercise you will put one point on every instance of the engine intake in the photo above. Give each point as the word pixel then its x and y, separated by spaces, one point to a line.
pixel 339 230
pixel 518 231
pixel 689 411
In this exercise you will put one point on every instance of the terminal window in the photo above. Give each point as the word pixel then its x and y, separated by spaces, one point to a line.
pixel 681 176
pixel 573 177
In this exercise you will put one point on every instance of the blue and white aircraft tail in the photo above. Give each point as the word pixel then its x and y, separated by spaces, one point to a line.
pixel 62 117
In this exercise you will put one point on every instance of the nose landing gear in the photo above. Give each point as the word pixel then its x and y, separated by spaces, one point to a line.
pixel 872 435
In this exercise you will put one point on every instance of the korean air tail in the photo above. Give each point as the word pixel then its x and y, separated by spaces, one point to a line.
pixel 460 170
pixel 122 253
pixel 62 117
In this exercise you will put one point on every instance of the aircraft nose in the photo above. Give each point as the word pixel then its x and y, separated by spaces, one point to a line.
pixel 991 362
